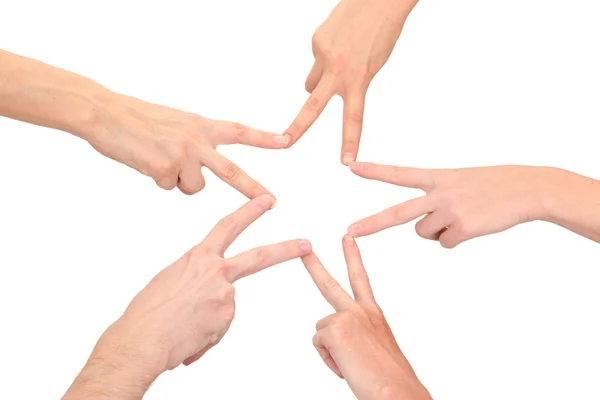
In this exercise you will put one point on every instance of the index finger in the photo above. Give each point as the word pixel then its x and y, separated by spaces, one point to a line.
pixel 255 260
pixel 233 175
pixel 328 286
pixel 311 110
pixel 236 133
pixel 393 216
pixel 230 227
pixel 415 178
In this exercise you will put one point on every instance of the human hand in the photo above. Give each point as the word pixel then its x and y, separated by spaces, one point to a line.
pixel 350 47
pixel 183 312
pixel 460 204
pixel 356 342
pixel 172 146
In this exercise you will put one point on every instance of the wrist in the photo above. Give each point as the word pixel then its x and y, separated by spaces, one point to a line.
pixel 122 366
pixel 557 186
pixel 93 112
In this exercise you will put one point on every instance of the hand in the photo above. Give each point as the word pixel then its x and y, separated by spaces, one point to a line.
pixel 460 204
pixel 183 312
pixel 172 146
pixel 350 47
pixel 356 342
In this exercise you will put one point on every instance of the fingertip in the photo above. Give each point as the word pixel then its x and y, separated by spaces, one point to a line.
pixel 266 200
pixel 347 158
pixel 347 240
pixel 355 230
pixel 305 246
pixel 356 167
pixel 289 140
pixel 282 141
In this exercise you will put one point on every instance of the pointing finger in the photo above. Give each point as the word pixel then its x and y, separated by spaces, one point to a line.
pixel 234 133
pixel 397 215
pixel 233 175
pixel 311 110
pixel 230 227
pixel 402 176
pixel 255 260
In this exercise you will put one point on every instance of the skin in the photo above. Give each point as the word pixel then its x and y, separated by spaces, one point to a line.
pixel 461 204
pixel 169 145
pixel 350 47
pixel 183 312
pixel 356 342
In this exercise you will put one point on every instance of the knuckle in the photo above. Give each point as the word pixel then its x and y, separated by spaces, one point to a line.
pixel 357 276
pixel 231 171
pixel 229 292
pixel 420 229
pixel 329 284
pixel 354 117
pixel 224 269
pixel 446 243
pixel 261 255
pixel 238 130
pixel 463 228
pixel 229 312
pixel 314 102
pixel 164 168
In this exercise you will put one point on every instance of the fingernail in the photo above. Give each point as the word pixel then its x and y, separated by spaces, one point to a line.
pixel 267 200
pixel 354 230
pixel 356 167
pixel 348 239
pixel 282 139
pixel 288 138
pixel 348 158
pixel 305 246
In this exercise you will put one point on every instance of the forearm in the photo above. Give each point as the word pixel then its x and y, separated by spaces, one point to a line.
pixel 34 92
pixel 573 202
pixel 114 371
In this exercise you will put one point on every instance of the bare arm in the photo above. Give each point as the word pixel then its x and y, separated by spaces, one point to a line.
pixel 573 202
pixel 34 92
pixel 169 145
pixel 116 371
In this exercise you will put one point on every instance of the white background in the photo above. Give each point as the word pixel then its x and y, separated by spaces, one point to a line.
pixel 471 82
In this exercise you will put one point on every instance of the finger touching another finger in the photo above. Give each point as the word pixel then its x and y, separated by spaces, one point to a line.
pixel 312 109
pixel 416 178
pixel 328 286
pixel 255 260
pixel 235 133
pixel 354 106
pixel 396 215
pixel 233 175
pixel 230 227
